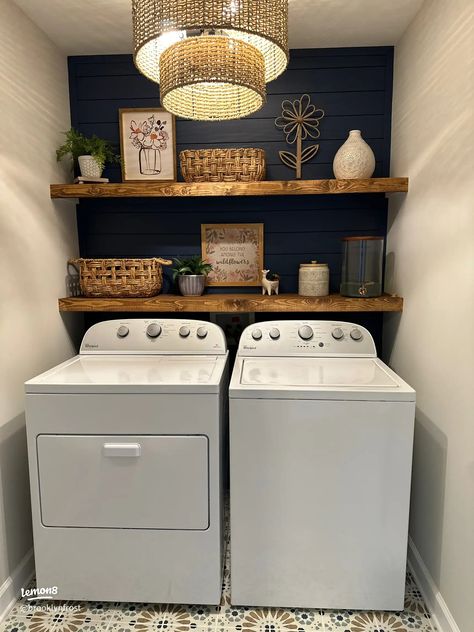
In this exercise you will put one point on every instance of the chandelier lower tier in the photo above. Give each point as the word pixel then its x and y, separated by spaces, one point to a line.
pixel 212 58
pixel 212 78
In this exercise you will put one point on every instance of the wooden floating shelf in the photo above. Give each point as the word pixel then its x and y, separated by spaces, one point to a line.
pixel 233 303
pixel 267 187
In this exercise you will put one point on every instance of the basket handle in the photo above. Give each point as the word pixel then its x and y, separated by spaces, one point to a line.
pixel 75 263
pixel 164 262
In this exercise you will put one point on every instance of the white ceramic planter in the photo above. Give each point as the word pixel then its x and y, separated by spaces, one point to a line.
pixel 89 167
pixel 354 159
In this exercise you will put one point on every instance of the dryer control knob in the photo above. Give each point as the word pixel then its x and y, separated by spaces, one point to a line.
pixel 338 334
pixel 201 332
pixel 274 333
pixel 356 334
pixel 153 330
pixel 122 331
pixel 184 332
pixel 305 332
pixel 257 334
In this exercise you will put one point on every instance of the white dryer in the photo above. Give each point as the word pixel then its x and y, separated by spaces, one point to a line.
pixel 321 435
pixel 125 445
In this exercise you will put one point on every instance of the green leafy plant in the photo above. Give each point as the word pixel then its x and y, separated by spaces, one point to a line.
pixel 191 265
pixel 77 144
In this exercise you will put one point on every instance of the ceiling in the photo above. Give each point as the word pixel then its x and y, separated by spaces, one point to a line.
pixel 94 27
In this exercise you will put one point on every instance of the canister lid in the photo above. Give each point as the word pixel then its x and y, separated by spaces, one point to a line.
pixel 313 264
pixel 363 238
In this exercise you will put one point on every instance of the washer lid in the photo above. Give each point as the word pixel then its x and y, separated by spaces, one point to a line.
pixel 317 378
pixel 132 374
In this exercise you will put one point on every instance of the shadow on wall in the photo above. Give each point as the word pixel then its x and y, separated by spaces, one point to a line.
pixel 429 469
pixel 428 496
pixel 14 489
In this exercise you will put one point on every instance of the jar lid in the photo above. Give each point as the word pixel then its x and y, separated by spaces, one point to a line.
pixel 364 238
pixel 313 264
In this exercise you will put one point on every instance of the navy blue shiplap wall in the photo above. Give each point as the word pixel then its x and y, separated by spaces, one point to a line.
pixel 353 86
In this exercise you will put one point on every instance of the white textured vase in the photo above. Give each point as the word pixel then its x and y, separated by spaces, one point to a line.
pixel 354 159
pixel 89 167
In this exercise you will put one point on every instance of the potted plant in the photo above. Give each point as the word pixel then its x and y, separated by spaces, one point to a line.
pixel 191 273
pixel 90 152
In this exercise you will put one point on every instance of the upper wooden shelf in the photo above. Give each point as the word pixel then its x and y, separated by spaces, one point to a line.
pixel 266 187
pixel 233 303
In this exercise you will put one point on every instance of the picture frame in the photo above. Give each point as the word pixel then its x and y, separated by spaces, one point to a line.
pixel 147 145
pixel 235 252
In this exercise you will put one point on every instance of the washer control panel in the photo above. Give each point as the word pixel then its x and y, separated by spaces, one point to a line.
pixel 307 338
pixel 154 336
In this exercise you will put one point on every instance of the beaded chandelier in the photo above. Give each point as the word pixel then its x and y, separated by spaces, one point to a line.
pixel 212 58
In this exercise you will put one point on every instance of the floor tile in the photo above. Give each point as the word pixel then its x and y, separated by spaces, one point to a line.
pixel 43 620
pixel 167 618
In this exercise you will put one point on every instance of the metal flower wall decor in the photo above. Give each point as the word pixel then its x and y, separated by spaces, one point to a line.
pixel 299 120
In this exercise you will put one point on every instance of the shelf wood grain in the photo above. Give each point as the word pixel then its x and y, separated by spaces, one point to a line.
pixel 233 303
pixel 182 189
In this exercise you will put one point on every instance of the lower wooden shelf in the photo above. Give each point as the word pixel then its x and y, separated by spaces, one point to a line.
pixel 233 303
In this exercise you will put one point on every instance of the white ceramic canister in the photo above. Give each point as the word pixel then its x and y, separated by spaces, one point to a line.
pixel 313 279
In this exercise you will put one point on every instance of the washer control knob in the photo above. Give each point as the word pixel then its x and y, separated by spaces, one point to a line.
pixel 257 334
pixel 153 330
pixel 274 333
pixel 122 331
pixel 184 331
pixel 202 332
pixel 356 334
pixel 338 334
pixel 305 332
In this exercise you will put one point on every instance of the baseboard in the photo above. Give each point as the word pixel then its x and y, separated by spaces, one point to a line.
pixel 442 617
pixel 10 589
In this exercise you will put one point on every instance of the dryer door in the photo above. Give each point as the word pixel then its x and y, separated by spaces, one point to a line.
pixel 124 482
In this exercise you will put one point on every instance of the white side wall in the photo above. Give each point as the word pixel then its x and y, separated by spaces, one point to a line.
pixel 36 238
pixel 431 263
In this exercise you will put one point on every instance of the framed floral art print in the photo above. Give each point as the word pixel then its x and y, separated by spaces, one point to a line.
pixel 148 144
pixel 235 252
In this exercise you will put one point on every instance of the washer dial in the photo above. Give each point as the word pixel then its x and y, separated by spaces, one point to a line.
pixel 356 334
pixel 274 333
pixel 305 332
pixel 338 334
pixel 202 332
pixel 184 331
pixel 257 334
pixel 153 330
pixel 123 331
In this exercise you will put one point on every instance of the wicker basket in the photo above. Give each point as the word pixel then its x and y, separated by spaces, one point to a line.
pixel 223 165
pixel 120 278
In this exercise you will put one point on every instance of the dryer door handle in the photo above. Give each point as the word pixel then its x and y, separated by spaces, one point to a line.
pixel 121 449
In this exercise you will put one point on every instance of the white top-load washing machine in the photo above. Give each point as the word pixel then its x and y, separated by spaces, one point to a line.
pixel 125 445
pixel 321 435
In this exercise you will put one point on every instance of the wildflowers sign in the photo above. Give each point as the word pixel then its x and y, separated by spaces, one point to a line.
pixel 148 144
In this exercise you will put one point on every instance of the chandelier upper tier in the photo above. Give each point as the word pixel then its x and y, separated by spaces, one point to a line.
pixel 212 58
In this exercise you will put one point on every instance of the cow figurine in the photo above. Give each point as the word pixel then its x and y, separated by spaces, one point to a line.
pixel 270 287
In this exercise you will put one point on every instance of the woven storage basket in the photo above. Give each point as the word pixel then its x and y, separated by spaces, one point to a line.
pixel 223 165
pixel 120 278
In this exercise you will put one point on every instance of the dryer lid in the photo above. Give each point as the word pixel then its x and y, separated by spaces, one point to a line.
pixel 138 374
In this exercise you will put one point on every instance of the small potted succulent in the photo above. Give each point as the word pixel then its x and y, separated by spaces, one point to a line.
pixel 90 152
pixel 191 273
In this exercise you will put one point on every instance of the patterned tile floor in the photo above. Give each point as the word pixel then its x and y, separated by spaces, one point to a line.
pixel 139 617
